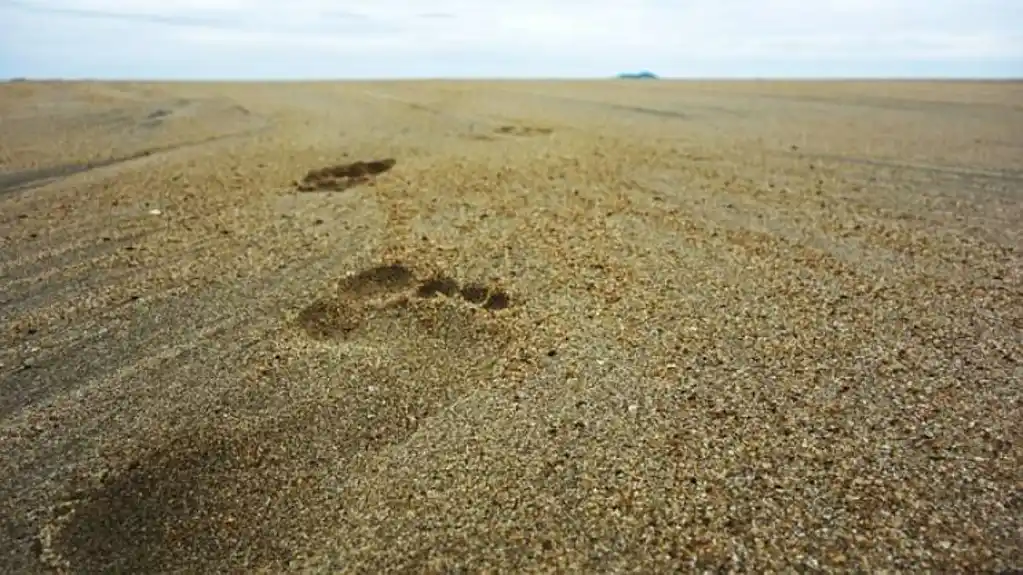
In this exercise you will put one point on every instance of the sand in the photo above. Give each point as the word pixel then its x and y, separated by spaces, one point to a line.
pixel 511 326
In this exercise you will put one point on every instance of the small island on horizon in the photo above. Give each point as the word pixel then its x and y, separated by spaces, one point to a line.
pixel 641 75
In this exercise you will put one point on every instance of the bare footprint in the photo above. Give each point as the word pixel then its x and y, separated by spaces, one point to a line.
pixel 392 286
pixel 256 489
pixel 343 176
pixel 523 131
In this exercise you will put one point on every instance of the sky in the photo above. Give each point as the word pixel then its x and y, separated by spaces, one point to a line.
pixel 341 39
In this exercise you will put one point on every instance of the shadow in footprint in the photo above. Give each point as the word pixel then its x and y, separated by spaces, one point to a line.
pixel 523 131
pixel 328 319
pixel 389 286
pixel 475 293
pixel 155 118
pixel 497 300
pixel 343 176
pixel 437 286
pixel 335 317
pixel 377 281
pixel 489 298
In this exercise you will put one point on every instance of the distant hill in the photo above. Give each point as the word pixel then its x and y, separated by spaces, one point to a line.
pixel 642 75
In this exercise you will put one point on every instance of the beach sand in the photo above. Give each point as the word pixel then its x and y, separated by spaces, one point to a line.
pixel 517 326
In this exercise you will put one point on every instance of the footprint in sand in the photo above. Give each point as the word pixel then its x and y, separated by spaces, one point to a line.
pixel 343 176
pixel 375 291
pixel 250 491
pixel 523 131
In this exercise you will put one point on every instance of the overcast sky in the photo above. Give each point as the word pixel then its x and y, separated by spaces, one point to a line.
pixel 511 38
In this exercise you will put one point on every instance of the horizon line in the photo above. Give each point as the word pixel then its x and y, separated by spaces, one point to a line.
pixel 616 78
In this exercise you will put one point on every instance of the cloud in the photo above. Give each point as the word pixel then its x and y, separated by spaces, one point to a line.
pixel 528 37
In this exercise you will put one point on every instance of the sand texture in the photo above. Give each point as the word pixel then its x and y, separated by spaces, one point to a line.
pixel 511 326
